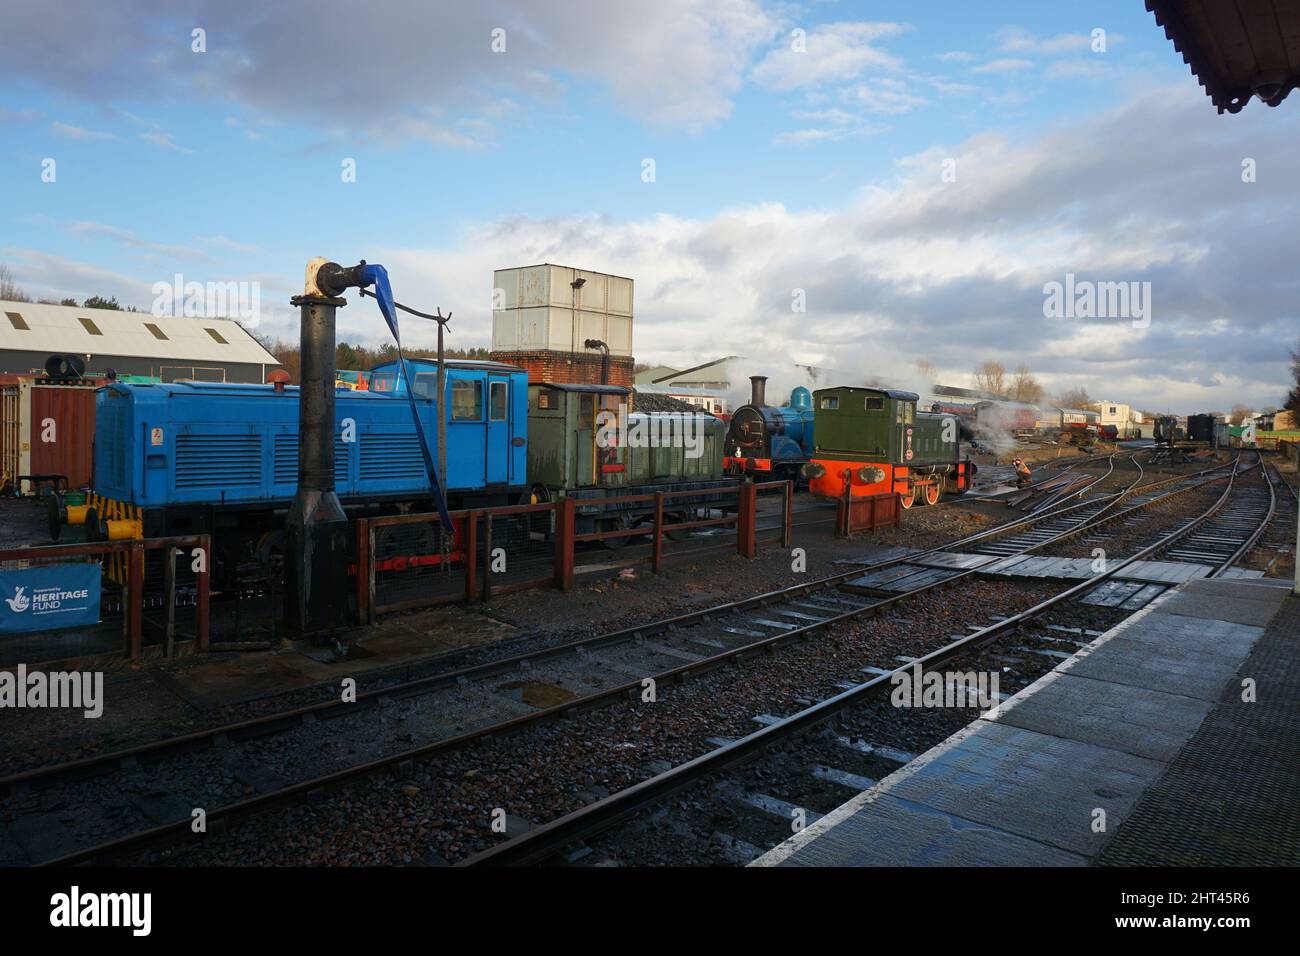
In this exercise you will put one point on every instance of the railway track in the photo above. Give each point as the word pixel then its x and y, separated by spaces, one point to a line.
pixel 720 765
pixel 688 643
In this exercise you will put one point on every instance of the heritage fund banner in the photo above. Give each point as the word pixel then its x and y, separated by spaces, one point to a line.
pixel 48 597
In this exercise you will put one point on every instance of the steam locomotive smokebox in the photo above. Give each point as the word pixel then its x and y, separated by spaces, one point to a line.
pixel 543 316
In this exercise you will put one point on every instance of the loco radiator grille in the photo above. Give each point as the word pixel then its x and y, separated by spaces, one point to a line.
pixel 225 461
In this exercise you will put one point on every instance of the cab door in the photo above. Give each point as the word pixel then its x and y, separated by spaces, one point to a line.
pixel 585 440
pixel 497 455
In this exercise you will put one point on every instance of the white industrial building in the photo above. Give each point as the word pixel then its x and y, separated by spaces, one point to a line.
pixel 1125 418
pixel 131 343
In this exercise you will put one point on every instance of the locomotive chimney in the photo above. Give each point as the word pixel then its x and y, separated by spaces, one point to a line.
pixel 758 393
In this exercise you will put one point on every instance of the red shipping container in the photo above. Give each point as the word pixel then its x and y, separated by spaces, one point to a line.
pixel 46 429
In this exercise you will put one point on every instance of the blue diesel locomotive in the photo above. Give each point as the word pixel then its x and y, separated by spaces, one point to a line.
pixel 767 442
pixel 198 457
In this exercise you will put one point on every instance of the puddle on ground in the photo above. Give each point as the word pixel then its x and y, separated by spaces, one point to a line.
pixel 536 693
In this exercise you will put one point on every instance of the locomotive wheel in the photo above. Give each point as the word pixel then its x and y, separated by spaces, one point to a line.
pixel 908 499
pixel 94 530
pixel 677 518
pixel 269 550
pixel 932 494
pixel 54 515
pixel 614 524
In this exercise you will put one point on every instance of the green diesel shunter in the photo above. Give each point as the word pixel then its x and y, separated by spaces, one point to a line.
pixel 873 441
pixel 583 443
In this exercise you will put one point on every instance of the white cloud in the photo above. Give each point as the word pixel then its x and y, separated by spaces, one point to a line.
pixel 674 62
pixel 127 238
pixel 836 116
pixel 885 95
pixel 804 137
pixel 69 131
pixel 836 52
pixel 222 242
pixel 952 271
pixel 1020 40
pixel 163 140
pixel 1005 65
pixel 1090 69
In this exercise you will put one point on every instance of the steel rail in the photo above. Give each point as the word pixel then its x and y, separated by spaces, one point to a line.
pixel 1263 525
pixel 1068 491
pixel 171 832
pixel 543 841
pixel 153 751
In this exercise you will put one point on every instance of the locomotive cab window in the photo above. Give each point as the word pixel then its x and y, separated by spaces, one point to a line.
pixel 830 403
pixel 497 405
pixel 466 401
pixel 874 403
pixel 426 385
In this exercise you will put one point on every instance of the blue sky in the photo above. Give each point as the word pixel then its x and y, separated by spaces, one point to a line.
pixel 775 169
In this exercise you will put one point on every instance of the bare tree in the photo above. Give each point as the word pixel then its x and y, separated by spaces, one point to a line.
pixel 9 289
pixel 1073 397
pixel 1238 415
pixel 928 371
pixel 990 377
pixel 1292 403
pixel 1024 387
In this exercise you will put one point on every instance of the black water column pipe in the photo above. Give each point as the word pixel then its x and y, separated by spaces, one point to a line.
pixel 604 358
pixel 317 545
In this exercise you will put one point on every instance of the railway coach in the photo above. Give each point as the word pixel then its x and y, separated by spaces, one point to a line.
pixel 872 441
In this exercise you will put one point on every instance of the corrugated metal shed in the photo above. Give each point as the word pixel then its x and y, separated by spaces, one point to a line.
pixel 1236 48
pixel 48 329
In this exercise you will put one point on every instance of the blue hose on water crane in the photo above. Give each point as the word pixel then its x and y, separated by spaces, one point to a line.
pixel 377 275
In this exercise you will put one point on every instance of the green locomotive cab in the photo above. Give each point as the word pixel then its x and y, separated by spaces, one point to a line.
pixel 585 443
pixel 873 441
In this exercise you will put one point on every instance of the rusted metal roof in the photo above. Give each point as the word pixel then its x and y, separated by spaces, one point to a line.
pixel 1236 48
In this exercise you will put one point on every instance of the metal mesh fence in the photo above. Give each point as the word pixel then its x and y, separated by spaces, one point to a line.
pixel 517 547
pixel 416 562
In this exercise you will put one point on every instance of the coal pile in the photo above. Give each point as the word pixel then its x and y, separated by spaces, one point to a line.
pixel 653 402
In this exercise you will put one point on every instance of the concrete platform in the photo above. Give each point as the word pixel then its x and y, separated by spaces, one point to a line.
pixel 1099 761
